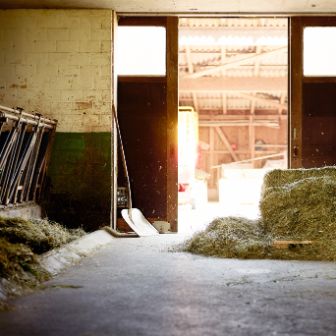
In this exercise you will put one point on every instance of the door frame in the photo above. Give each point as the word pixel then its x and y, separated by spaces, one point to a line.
pixel 296 25
pixel 297 79
pixel 171 25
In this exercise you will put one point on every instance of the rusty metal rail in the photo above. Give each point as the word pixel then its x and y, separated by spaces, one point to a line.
pixel 25 147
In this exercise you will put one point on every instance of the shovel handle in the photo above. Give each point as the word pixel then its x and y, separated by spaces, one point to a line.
pixel 123 157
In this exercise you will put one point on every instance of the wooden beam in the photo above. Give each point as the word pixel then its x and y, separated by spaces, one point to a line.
pixel 296 96
pixel 238 123
pixel 237 117
pixel 223 58
pixel 252 138
pixel 236 61
pixel 189 61
pixel 224 102
pixel 253 104
pixel 211 153
pixel 282 105
pixel 240 152
pixel 257 62
pixel 255 159
pixel 172 120
pixel 252 130
pixel 195 101
pixel 226 142
pixel 233 84
pixel 264 100
pixel 221 32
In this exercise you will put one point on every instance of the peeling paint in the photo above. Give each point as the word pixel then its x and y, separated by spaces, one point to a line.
pixel 83 105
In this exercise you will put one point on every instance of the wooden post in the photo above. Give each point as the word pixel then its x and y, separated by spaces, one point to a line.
pixel 295 137
pixel 172 120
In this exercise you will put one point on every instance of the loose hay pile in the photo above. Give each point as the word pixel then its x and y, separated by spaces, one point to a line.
pixel 20 242
pixel 296 204
pixel 19 263
pixel 40 235
pixel 230 237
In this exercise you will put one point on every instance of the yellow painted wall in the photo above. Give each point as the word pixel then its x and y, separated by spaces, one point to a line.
pixel 58 62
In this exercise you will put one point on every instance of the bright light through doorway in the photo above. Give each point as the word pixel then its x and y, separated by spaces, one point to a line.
pixel 233 78
pixel 141 51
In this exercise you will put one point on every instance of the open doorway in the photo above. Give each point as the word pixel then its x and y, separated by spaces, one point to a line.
pixel 233 75
pixel 147 113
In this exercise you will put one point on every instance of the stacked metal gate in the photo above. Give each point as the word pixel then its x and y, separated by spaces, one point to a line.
pixel 25 145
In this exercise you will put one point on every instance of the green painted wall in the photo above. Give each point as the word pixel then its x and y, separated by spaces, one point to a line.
pixel 78 188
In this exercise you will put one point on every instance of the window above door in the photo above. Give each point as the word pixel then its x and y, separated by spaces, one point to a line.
pixel 319 51
pixel 141 51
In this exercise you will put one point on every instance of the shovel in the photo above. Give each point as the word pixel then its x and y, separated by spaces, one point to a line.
pixel 133 216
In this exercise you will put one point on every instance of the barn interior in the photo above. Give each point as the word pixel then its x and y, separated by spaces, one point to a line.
pixel 235 90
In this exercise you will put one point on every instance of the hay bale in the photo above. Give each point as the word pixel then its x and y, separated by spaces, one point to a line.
pixel 280 177
pixel 230 237
pixel 300 204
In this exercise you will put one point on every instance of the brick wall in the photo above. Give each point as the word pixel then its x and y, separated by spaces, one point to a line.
pixel 58 62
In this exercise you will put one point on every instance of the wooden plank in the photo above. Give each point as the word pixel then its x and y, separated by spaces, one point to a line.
pixel 287 244
pixel 226 142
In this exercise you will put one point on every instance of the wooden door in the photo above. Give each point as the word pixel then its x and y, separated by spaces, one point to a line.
pixel 148 114
pixel 313 94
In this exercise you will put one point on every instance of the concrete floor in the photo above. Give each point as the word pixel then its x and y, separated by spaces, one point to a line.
pixel 136 287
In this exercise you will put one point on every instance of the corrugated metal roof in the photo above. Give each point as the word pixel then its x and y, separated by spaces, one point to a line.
pixel 233 48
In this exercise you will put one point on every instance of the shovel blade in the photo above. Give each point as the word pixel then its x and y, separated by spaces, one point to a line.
pixel 138 223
